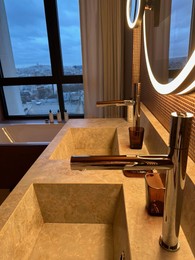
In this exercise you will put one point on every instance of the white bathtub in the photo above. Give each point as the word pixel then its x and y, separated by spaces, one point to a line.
pixel 28 133
pixel 20 146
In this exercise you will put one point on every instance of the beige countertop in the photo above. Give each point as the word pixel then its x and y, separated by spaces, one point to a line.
pixel 143 230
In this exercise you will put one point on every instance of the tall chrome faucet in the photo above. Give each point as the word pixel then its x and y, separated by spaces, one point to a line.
pixel 133 105
pixel 128 103
pixel 174 162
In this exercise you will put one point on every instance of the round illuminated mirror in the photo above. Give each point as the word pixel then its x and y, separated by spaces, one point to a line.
pixel 134 12
pixel 171 62
pixel 169 39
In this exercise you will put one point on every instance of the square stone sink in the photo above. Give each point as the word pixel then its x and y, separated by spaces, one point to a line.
pixel 68 221
pixel 87 141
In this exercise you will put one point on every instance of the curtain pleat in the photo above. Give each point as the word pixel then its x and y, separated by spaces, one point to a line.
pixel 102 50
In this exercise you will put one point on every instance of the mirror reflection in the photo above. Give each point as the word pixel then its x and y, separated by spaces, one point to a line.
pixel 169 43
pixel 134 12
pixel 133 9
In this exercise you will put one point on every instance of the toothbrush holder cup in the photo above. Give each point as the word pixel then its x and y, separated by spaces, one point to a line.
pixel 136 136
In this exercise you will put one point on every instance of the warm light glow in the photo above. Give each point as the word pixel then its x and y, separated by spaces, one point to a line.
pixel 7 135
pixel 188 89
pixel 175 83
pixel 136 22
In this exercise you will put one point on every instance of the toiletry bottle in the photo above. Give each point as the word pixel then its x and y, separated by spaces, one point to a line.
pixel 59 118
pixel 51 118
pixel 66 117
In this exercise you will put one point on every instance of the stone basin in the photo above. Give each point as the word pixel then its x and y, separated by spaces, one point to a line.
pixel 87 141
pixel 68 221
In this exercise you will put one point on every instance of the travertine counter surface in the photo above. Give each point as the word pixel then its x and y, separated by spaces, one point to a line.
pixel 143 230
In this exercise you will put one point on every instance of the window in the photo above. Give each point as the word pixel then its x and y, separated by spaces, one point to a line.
pixel 40 58
pixel 70 36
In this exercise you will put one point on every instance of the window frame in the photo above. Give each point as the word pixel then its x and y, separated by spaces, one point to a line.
pixel 57 77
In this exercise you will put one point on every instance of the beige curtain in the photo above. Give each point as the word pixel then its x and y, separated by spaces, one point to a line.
pixel 102 49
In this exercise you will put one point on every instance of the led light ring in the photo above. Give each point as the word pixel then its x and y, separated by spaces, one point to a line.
pixel 176 83
pixel 139 15
pixel 187 89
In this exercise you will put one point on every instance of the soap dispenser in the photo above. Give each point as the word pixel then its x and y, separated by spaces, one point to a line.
pixel 59 118
pixel 51 117
pixel 66 117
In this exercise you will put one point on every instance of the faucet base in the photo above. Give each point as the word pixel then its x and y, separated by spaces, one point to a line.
pixel 168 248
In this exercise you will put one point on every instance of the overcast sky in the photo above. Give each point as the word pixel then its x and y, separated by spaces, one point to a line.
pixel 29 37
pixel 27 27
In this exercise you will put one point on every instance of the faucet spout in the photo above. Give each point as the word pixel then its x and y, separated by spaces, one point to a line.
pixel 132 105
pixel 120 162
pixel 115 103
pixel 127 103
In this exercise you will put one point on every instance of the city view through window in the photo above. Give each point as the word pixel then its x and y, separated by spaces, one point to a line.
pixel 39 99
pixel 31 58
pixel 26 53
